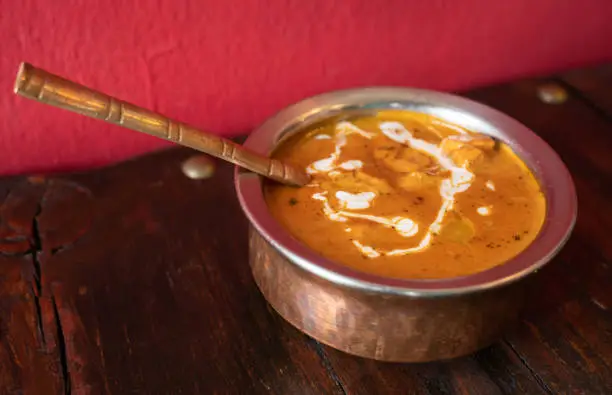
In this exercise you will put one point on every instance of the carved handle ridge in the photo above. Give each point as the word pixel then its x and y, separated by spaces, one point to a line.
pixel 42 86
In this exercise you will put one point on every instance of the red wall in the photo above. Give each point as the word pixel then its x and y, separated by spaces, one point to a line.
pixel 227 65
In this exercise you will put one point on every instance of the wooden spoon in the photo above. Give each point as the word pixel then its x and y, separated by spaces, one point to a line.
pixel 42 86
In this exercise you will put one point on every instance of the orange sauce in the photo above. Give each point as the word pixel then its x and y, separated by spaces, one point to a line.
pixel 407 195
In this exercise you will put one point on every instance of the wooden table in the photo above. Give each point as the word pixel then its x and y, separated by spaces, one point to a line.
pixel 135 279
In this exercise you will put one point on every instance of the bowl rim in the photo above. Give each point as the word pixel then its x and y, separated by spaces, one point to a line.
pixel 554 177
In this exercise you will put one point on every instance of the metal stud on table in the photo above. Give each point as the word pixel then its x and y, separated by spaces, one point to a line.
pixel 198 167
pixel 552 93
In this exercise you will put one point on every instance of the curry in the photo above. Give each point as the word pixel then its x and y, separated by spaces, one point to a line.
pixel 407 195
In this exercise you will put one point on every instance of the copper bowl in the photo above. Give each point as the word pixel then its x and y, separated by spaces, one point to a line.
pixel 393 319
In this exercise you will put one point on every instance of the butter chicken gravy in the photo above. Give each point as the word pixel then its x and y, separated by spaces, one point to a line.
pixel 407 195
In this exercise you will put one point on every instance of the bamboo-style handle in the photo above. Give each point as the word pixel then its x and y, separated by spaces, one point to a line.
pixel 42 86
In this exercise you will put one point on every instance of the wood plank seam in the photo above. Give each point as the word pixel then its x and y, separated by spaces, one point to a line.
pixel 325 361
pixel 541 382
pixel 578 94
pixel 61 343
pixel 37 248
pixel 34 348
pixel 37 286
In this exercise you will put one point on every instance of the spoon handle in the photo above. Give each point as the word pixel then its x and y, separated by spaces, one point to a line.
pixel 40 85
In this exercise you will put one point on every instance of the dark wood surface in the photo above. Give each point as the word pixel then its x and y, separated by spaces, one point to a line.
pixel 135 279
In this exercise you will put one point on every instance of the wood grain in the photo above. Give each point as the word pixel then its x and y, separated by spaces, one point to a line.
pixel 135 279
pixel 155 297
pixel 558 338
pixel 30 354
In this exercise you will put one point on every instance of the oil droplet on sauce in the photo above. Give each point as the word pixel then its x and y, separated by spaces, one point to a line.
pixel 484 210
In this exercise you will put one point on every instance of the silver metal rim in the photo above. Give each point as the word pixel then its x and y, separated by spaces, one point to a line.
pixel 552 173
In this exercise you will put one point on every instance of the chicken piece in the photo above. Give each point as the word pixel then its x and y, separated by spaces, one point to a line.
pixel 356 182
pixel 483 142
pixel 417 180
pixel 457 228
pixel 402 159
pixel 462 153
pixel 450 144
pixel 467 156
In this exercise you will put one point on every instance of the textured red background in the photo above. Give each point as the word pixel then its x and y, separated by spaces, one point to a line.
pixel 227 65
